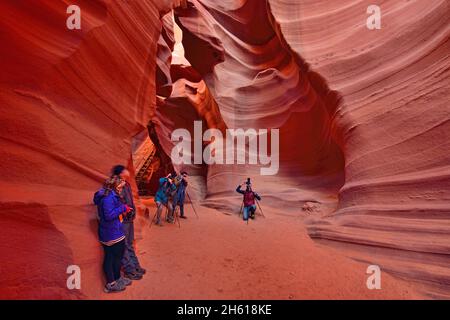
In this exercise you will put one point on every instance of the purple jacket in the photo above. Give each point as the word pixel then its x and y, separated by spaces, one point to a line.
pixel 110 207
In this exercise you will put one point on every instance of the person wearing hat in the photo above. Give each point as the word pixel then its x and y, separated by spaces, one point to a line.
pixel 249 199
pixel 131 266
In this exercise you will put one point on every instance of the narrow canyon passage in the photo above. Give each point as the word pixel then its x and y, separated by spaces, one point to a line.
pixel 364 124
pixel 218 256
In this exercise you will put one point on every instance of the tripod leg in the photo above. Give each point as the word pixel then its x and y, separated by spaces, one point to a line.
pixel 175 212
pixel 154 216
pixel 260 209
pixel 192 204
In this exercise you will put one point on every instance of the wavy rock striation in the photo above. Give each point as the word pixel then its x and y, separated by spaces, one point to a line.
pixel 363 118
pixel 384 103
pixel 259 82
pixel 394 124
pixel 70 103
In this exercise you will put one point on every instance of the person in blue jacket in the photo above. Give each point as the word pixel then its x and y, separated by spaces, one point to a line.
pixel 180 194
pixel 111 211
pixel 166 187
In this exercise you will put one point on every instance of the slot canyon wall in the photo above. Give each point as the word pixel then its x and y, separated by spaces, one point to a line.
pixel 363 118
pixel 70 103
pixel 313 69
pixel 393 125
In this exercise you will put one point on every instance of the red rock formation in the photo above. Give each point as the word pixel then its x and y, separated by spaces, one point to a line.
pixel 394 124
pixel 370 105
pixel 166 44
pixel 258 82
pixel 190 101
pixel 392 121
pixel 70 103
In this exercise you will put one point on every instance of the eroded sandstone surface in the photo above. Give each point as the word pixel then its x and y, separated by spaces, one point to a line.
pixel 363 118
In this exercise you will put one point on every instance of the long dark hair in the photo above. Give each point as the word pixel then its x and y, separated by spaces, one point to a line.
pixel 112 184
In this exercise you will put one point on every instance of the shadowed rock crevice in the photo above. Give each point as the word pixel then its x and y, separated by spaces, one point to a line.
pixel 390 125
pixel 259 82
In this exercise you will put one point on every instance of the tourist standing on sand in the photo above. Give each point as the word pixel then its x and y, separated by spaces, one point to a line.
pixel 249 199
pixel 166 187
pixel 130 262
pixel 111 211
pixel 180 194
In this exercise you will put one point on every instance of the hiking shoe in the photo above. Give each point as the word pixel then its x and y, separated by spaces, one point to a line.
pixel 133 275
pixel 141 270
pixel 183 217
pixel 124 282
pixel 115 287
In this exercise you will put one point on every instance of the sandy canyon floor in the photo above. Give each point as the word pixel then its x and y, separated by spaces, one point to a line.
pixel 218 256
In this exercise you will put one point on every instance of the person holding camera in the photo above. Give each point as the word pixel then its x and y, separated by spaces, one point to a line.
pixel 111 212
pixel 166 188
pixel 180 194
pixel 249 199
pixel 130 262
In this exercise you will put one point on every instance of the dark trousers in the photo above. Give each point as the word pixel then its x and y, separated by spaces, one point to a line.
pixel 130 261
pixel 113 261
pixel 181 205
pixel 160 206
